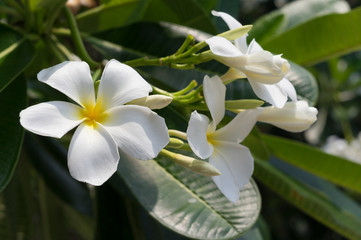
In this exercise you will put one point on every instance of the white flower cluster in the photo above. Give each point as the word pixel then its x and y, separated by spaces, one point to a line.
pixel 118 117
pixel 340 147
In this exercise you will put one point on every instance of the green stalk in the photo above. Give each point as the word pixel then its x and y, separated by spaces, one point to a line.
pixel 187 41
pixel 78 42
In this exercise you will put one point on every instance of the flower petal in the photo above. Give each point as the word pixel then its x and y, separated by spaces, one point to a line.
pixel 73 79
pixel 120 84
pixel 239 128
pixel 93 155
pixel 137 130
pixel 235 163
pixel 222 47
pixel 197 135
pixel 254 47
pixel 51 119
pixel 293 117
pixel 273 94
pixel 215 94
pixel 289 89
pixel 241 43
pixel 262 67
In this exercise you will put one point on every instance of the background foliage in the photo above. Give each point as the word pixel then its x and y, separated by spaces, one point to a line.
pixel 306 194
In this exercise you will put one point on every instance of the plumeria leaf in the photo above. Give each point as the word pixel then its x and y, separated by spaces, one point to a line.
pixel 188 203
pixel 304 82
pixel 291 15
pixel 319 39
pixel 327 166
pixel 16 53
pixel 111 14
pixel 12 100
pixel 308 200
pixel 185 12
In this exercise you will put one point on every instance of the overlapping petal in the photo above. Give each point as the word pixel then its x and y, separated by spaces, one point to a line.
pixel 222 47
pixel 273 94
pixel 235 162
pixel 93 155
pixel 120 84
pixel 232 23
pixel 197 135
pixel 73 79
pixel 239 128
pixel 52 119
pixel 254 47
pixel 137 130
pixel 214 94
pixel 262 67
pixel 289 89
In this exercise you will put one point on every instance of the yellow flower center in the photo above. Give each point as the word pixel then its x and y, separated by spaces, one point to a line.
pixel 93 114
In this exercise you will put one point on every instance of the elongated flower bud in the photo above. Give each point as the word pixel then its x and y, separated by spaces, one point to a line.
pixel 193 164
pixel 293 117
pixel 156 101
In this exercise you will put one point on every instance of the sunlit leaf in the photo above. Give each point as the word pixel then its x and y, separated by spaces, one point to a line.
pixel 313 160
pixel 319 39
pixel 293 14
pixel 186 202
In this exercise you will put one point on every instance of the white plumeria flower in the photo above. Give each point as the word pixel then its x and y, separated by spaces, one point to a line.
pixel 264 71
pixel 105 123
pixel 293 117
pixel 221 146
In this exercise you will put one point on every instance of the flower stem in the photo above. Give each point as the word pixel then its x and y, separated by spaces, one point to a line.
pixel 187 41
pixel 75 35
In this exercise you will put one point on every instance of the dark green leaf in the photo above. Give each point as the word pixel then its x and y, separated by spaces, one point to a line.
pixel 16 53
pixel 308 200
pixel 293 14
pixel 188 203
pixel 111 15
pixel 185 12
pixel 319 39
pixel 12 101
pixel 332 168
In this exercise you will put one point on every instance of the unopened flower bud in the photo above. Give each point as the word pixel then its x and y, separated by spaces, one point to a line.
pixel 293 117
pixel 156 101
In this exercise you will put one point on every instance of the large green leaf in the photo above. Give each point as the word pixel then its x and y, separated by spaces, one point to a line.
pixel 185 12
pixel 16 53
pixel 319 39
pixel 312 202
pixel 12 101
pixel 111 14
pixel 188 203
pixel 332 168
pixel 293 14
